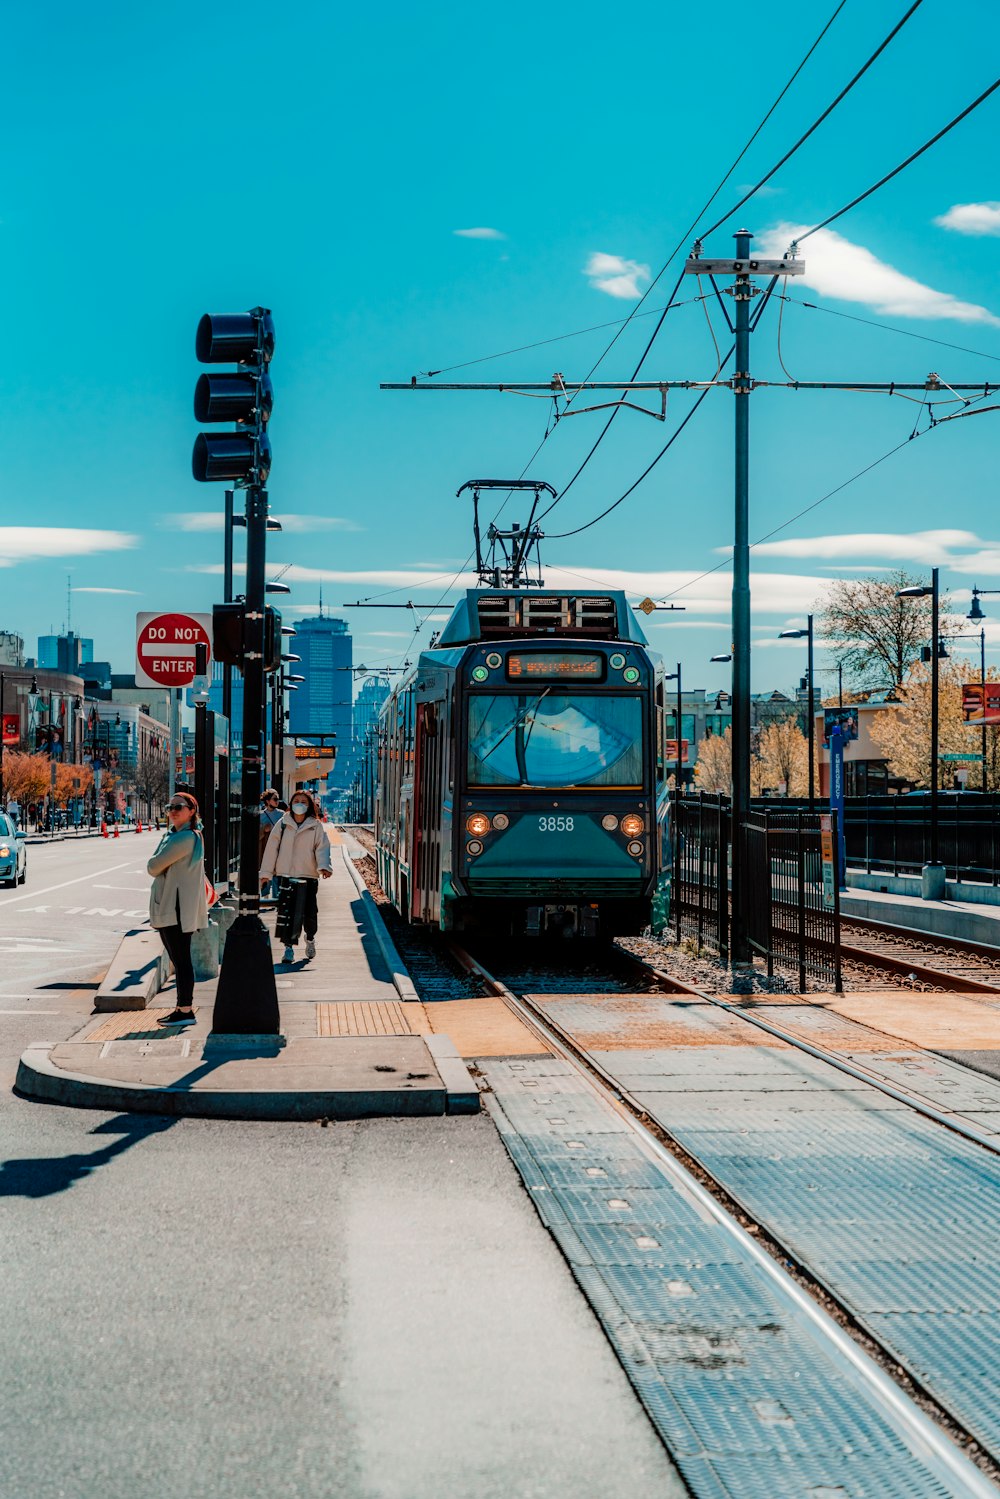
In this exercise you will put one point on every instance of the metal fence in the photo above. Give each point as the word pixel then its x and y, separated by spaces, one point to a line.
pixel 700 893
pixel 789 921
pixel 790 924
pixel 893 834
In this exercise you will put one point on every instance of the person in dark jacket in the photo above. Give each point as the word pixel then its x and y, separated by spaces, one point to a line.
pixel 178 900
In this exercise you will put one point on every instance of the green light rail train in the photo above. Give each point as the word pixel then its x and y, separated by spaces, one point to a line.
pixel 522 781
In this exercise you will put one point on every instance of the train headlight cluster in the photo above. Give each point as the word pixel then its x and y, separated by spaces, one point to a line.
pixel 632 825
pixel 478 824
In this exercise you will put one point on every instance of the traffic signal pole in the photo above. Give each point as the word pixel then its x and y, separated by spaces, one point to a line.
pixel 742 386
pixel 246 1002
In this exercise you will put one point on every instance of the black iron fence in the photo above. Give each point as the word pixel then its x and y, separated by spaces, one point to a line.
pixel 892 834
pixel 793 922
pixel 700 893
pixel 793 913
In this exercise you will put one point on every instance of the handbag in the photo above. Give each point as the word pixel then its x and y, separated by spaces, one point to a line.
pixel 291 908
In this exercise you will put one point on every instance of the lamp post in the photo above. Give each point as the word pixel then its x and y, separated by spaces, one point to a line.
pixel 807 634
pixel 977 616
pixel 932 879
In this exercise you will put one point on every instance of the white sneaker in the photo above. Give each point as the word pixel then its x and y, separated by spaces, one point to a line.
pixel 310 948
pixel 288 956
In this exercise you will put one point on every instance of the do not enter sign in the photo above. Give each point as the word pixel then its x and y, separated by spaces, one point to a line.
pixel 164 648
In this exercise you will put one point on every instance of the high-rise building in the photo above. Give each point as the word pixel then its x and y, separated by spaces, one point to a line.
pixel 64 652
pixel 11 649
pixel 368 704
pixel 322 704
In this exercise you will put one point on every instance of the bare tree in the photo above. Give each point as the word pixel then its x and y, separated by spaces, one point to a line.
pixel 874 635
pixel 150 781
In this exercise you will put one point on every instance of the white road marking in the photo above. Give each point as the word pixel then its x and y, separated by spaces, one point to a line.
pixel 80 880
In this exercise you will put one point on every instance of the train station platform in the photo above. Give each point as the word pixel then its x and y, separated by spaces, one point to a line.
pixel 972 921
pixel 355 1041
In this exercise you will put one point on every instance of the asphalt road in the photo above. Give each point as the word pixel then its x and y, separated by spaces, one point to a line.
pixel 202 1310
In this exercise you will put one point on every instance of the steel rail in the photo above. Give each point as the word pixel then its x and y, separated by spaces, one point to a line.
pixel 923 1436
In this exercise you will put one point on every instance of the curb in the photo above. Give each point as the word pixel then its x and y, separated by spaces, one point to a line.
pixel 39 1078
pixel 400 978
pixel 130 982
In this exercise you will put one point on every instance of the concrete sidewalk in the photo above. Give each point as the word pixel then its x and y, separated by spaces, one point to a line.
pixel 353 1044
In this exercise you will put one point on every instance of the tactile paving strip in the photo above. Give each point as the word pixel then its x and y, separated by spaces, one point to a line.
pixel 133 1025
pixel 382 1017
pixel 748 1402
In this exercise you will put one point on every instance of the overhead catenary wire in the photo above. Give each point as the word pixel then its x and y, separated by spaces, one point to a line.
pixel 832 218
pixel 886 327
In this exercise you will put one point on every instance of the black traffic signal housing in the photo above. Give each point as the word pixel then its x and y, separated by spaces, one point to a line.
pixel 228 639
pixel 243 396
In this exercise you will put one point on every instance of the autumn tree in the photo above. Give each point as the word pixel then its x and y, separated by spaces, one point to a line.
pixel 903 732
pixel 713 769
pixel 72 781
pixel 874 635
pixel 25 776
pixel 783 756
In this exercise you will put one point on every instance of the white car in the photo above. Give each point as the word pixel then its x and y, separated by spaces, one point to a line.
pixel 13 853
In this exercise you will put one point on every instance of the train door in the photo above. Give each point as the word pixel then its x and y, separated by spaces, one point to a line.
pixel 428 794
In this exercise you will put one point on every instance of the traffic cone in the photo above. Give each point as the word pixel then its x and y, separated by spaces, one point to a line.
pixel 104 828
pixel 116 830
pixel 138 827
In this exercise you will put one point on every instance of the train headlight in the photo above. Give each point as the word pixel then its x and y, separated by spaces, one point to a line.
pixel 631 674
pixel 632 825
pixel 494 659
pixel 480 674
pixel 478 824
pixel 501 821
pixel 617 660
pixel 635 847
pixel 474 847
pixel 609 823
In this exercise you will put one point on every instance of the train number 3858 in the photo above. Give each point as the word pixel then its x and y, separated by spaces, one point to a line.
pixel 555 824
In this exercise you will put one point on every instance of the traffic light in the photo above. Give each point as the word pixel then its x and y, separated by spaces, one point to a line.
pixel 243 396
pixel 228 624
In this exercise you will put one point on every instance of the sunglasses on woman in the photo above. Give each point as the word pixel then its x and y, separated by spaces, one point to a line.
pixel 178 807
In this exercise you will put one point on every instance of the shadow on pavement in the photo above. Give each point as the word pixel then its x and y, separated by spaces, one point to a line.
pixel 44 1176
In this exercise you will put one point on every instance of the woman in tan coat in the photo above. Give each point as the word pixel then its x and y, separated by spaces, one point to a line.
pixel 298 849
pixel 178 904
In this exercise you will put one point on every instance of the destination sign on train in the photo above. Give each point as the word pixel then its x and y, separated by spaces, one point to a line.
pixel 573 665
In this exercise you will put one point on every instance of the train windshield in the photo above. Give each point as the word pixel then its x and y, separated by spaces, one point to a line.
pixel 549 740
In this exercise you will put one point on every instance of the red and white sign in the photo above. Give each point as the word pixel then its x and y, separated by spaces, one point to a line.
pixel 11 728
pixel 164 648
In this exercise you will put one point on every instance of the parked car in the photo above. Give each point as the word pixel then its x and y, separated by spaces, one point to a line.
pixel 13 853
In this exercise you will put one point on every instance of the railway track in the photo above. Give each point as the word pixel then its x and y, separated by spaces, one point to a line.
pixel 925 961
pixel 959 1417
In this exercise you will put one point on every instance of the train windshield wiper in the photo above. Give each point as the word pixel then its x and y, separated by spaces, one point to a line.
pixel 517 724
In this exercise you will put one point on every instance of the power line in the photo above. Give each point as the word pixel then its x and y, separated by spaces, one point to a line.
pixel 886 327
pixel 746 197
pixel 903 164
pixel 817 122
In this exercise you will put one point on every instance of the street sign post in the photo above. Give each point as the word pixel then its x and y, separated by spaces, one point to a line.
pixel 165 644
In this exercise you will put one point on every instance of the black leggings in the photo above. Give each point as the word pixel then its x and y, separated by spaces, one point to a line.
pixel 178 945
pixel 310 912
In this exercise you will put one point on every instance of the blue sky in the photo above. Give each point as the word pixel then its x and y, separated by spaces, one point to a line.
pixel 162 163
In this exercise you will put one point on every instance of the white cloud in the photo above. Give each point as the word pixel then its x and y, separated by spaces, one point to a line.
pixel 972 218
pixel 212 520
pixel 133 591
pixel 930 547
pixel 30 543
pixel 615 276
pixel 837 268
pixel 479 233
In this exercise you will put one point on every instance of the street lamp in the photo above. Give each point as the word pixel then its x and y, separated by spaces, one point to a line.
pixel 977 616
pixel 933 873
pixel 807 634
pixel 720 658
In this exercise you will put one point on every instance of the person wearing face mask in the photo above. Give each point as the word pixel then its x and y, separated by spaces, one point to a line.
pixel 178 903
pixel 298 849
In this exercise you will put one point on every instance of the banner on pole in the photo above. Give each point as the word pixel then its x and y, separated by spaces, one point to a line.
pixel 847 718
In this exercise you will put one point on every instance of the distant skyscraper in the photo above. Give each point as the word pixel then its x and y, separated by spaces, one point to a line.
pixel 368 704
pixel 64 652
pixel 322 704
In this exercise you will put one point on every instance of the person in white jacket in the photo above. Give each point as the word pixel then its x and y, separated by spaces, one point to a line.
pixel 298 849
pixel 178 904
